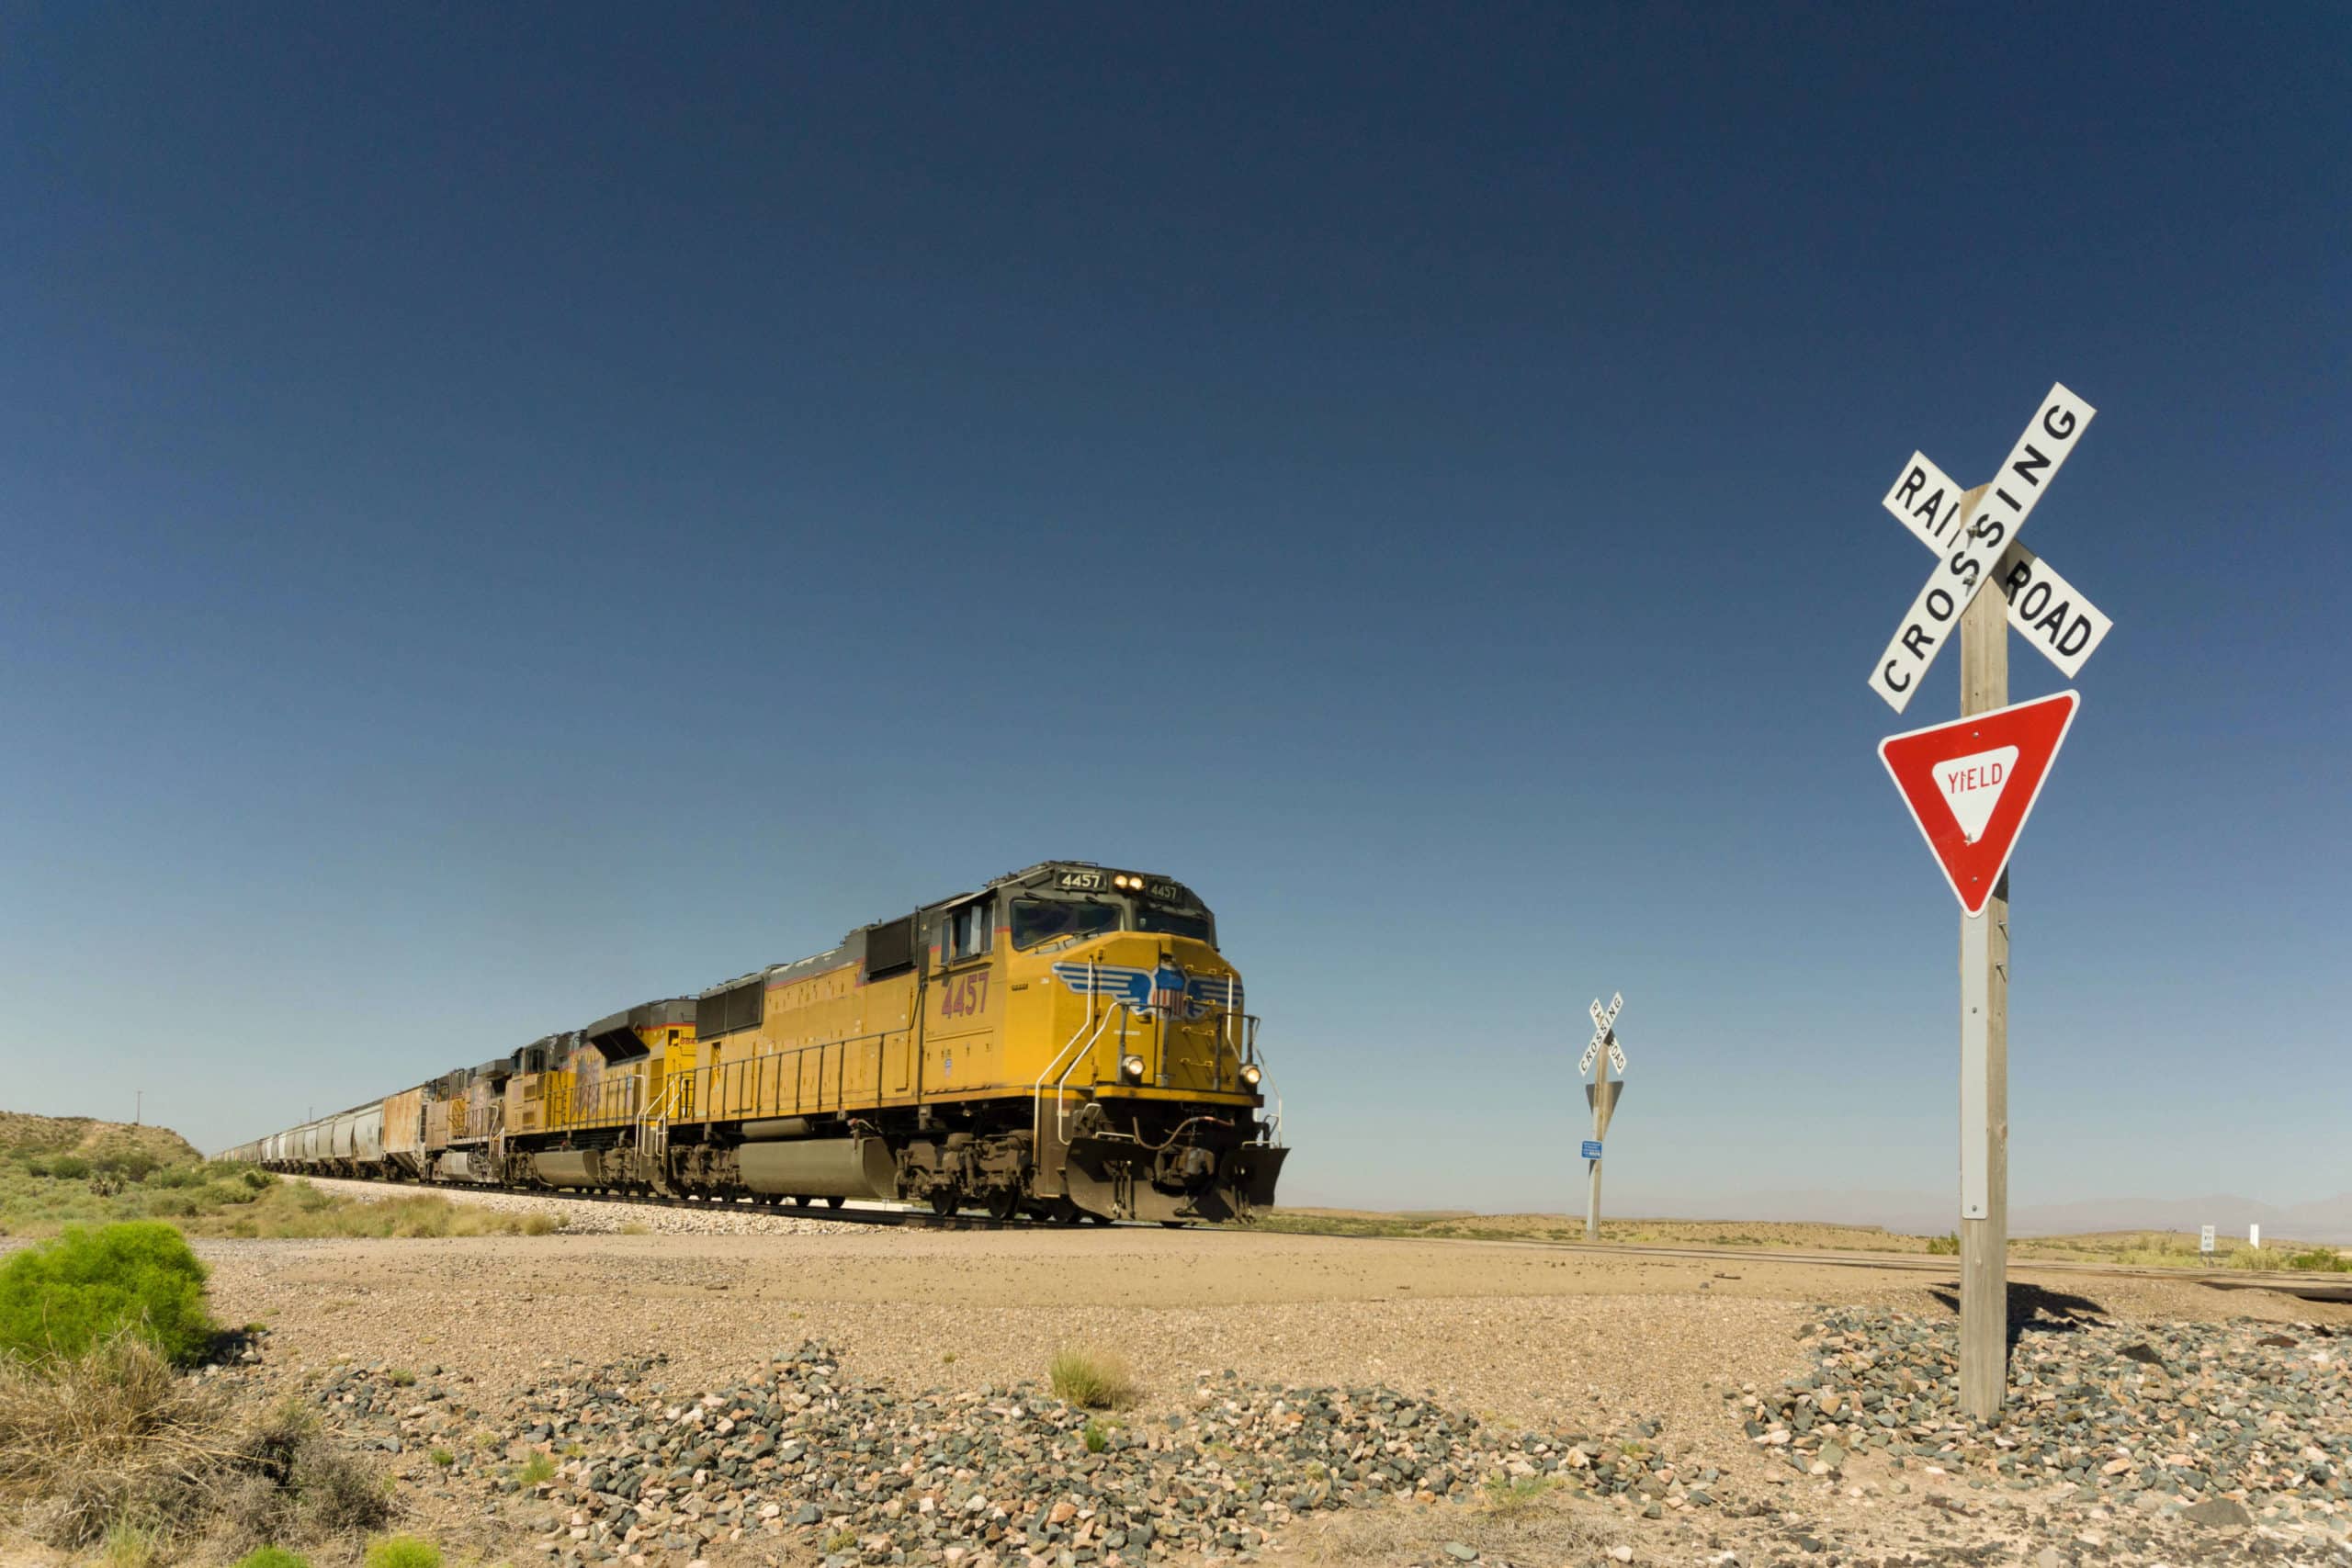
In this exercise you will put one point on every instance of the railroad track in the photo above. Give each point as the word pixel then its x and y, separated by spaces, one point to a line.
pixel 861 1213
pixel 2306 1286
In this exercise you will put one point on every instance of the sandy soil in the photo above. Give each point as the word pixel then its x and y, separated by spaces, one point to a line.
pixel 1517 1333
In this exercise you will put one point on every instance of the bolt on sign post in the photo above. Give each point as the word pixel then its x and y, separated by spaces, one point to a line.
pixel 1601 1054
pixel 1970 785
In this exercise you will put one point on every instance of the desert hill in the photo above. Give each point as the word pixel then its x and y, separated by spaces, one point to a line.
pixel 22 1133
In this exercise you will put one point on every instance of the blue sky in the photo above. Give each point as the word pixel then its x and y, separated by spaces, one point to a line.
pixel 508 514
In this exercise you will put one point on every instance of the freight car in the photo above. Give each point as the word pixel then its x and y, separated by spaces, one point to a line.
pixel 1065 1042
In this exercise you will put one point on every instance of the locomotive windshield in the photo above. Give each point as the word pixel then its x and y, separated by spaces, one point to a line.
pixel 1174 923
pixel 1039 920
pixel 1043 919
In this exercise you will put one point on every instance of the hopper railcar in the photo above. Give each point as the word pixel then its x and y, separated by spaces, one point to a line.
pixel 1068 1040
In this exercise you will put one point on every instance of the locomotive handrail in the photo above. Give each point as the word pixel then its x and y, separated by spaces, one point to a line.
pixel 1037 1115
pixel 1061 1091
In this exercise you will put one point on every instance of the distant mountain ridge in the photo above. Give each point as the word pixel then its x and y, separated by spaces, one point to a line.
pixel 23 1132
pixel 2321 1220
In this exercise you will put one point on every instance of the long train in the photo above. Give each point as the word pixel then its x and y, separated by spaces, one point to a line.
pixel 1066 1041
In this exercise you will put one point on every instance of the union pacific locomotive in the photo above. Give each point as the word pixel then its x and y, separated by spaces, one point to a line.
pixel 1067 1042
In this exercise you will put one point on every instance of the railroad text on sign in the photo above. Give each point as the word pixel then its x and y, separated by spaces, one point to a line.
pixel 1934 614
pixel 2044 608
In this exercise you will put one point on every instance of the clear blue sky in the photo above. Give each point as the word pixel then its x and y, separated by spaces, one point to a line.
pixel 504 515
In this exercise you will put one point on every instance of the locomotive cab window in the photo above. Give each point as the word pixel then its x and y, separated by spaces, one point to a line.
pixel 965 931
pixel 1043 919
pixel 1176 922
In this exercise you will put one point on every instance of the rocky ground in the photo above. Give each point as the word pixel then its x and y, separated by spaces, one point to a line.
pixel 868 1396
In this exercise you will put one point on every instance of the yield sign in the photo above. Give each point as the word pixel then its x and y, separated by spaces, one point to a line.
pixel 1971 784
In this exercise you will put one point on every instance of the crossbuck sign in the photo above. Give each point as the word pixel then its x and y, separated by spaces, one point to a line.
pixel 1604 1035
pixel 1980 549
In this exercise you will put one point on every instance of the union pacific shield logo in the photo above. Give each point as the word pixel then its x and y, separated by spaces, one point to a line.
pixel 1164 992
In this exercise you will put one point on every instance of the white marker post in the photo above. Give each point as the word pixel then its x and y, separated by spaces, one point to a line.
pixel 1602 1053
pixel 2067 628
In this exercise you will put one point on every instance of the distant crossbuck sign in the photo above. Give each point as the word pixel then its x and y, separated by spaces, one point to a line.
pixel 1604 1025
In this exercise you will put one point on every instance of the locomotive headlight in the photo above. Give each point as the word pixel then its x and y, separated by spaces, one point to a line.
pixel 1133 1067
pixel 1251 1074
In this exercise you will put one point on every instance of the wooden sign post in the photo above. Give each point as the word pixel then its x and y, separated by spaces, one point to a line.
pixel 1983 802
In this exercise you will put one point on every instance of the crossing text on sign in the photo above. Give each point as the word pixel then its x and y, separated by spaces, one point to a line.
pixel 2044 607
pixel 2002 511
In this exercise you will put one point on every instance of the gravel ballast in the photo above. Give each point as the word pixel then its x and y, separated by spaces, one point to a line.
pixel 604 1217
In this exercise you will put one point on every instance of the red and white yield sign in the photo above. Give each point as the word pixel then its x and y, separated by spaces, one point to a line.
pixel 1971 784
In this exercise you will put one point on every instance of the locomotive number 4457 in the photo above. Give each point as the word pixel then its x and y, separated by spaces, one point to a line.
pixel 966 994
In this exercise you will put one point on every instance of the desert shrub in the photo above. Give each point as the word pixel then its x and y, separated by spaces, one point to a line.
pixel 255 1177
pixel 132 1546
pixel 68 1167
pixel 1946 1245
pixel 170 1206
pixel 403 1552
pixel 537 1470
pixel 1092 1380
pixel 541 1223
pixel 1516 1493
pixel 285 1479
pixel 2321 1257
pixel 62 1299
pixel 175 1175
pixel 271 1557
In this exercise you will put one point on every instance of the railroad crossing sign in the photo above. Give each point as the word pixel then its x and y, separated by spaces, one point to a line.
pixel 1993 524
pixel 1604 1032
pixel 1971 783
pixel 1601 1094
pixel 2205 1239
pixel 2046 609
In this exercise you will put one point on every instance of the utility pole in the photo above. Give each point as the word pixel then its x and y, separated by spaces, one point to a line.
pixel 1985 1051
pixel 138 1105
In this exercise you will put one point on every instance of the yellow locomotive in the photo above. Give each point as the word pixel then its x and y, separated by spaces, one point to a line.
pixel 1065 1042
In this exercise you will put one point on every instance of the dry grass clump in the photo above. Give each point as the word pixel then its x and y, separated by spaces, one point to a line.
pixel 115 1449
pixel 1092 1380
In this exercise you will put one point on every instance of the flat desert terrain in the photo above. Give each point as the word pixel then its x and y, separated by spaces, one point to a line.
pixel 863 1394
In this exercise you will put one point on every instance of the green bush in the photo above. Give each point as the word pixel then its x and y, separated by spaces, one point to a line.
pixel 271 1557
pixel 403 1552
pixel 68 1167
pixel 1946 1245
pixel 59 1299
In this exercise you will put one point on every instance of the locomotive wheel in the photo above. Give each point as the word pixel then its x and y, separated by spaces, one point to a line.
pixel 1099 1219
pixel 1003 1203
pixel 1067 1212
pixel 802 1200
pixel 945 1200
pixel 835 1202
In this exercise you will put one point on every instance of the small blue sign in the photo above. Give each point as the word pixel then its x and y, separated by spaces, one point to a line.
pixel 1592 1148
